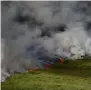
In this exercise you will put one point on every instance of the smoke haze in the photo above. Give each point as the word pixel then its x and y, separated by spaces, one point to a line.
pixel 33 31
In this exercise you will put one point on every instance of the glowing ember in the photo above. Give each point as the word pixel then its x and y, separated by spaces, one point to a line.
pixel 61 60
pixel 47 66
pixel 30 70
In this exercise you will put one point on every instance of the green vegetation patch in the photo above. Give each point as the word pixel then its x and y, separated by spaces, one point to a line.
pixel 70 75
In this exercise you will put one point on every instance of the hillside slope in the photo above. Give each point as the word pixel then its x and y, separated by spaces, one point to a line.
pixel 71 75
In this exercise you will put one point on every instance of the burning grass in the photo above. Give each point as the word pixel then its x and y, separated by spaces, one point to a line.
pixel 70 75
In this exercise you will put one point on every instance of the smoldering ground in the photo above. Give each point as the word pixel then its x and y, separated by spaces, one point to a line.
pixel 33 31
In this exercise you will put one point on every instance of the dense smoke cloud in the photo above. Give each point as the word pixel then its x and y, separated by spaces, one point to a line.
pixel 37 31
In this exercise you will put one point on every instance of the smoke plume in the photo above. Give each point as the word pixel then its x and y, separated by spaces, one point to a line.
pixel 33 31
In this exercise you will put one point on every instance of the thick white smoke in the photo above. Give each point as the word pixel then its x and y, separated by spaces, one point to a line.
pixel 36 31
